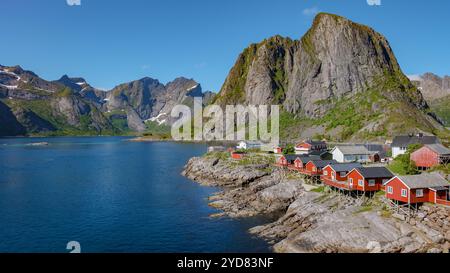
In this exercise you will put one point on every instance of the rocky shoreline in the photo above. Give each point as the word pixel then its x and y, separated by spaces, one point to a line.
pixel 315 219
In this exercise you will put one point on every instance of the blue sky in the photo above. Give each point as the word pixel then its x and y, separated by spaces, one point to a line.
pixel 113 41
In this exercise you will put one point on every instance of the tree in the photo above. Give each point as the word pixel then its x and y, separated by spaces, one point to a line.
pixel 403 165
pixel 290 149
pixel 413 147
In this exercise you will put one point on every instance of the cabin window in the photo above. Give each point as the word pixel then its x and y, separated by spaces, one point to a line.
pixel 314 169
pixel 390 190
pixel 404 193
pixel 361 183
pixel 325 172
pixel 419 193
pixel 351 182
pixel 342 174
pixel 371 182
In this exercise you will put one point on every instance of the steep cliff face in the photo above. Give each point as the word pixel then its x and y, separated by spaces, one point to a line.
pixel 330 66
pixel 140 95
pixel 9 125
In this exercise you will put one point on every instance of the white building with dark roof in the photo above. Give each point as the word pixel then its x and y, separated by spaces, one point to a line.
pixel 400 143
pixel 348 154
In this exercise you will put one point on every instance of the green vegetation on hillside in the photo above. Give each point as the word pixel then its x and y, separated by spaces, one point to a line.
pixel 238 76
pixel 442 109
pixel 441 168
pixel 43 109
pixel 402 164
pixel 384 110
pixel 154 129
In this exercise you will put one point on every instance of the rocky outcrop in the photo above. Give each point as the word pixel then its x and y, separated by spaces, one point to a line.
pixel 71 108
pixel 134 121
pixel 32 122
pixel 311 221
pixel 251 190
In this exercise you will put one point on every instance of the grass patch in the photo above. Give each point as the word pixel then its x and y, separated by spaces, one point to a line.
pixel 218 155
pixel 441 168
pixel 402 164
pixel 320 189
pixel 364 209
pixel 255 159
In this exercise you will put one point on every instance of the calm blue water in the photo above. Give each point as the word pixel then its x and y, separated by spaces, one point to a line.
pixel 111 196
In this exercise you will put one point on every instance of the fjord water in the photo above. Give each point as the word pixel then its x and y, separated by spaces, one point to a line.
pixel 110 195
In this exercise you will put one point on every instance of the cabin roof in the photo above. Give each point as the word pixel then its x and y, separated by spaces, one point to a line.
pixel 323 163
pixel 375 172
pixel 318 153
pixel 303 158
pixel 439 149
pixel 442 188
pixel 429 180
pixel 290 157
pixel 250 142
pixel 345 167
pixel 405 141
pixel 376 149
pixel 354 150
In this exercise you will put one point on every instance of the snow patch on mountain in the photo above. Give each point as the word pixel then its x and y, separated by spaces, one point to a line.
pixel 193 87
pixel 157 119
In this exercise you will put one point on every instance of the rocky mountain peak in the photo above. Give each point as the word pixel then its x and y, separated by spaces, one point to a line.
pixel 77 84
pixel 337 62
pixel 432 86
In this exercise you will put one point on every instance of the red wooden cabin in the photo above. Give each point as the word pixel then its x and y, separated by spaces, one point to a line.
pixel 417 189
pixel 335 175
pixel 315 167
pixel 431 155
pixel 282 161
pixel 368 179
pixel 286 160
pixel 302 160
pixel 295 161
pixel 309 146
pixel 237 155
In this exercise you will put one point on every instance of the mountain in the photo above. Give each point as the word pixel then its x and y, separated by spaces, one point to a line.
pixel 341 81
pixel 46 107
pixel 149 100
pixel 436 91
pixel 432 86
pixel 70 106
